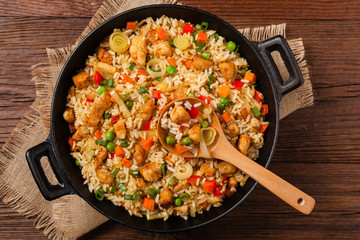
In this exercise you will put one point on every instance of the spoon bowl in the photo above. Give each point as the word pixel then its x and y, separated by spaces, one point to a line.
pixel 222 149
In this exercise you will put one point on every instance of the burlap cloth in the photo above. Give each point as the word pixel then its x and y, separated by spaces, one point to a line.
pixel 59 219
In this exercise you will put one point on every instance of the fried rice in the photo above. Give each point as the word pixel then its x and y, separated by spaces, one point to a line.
pixel 131 168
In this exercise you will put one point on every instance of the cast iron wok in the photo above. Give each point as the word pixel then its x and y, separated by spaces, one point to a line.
pixel 55 147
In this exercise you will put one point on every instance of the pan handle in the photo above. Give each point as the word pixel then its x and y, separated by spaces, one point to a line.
pixel 49 191
pixel 295 80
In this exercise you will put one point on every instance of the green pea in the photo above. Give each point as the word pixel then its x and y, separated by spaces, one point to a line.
pixel 224 101
pixel 77 162
pixel 124 143
pixel 178 202
pixel 99 194
pixel 170 140
pixel 204 124
pixel 206 55
pixel 222 106
pixel 125 96
pixel 110 135
pixel 110 146
pixel 113 189
pixel 191 95
pixel 110 83
pixel 209 82
pixel 106 115
pixel 231 46
pixel 243 71
pixel 101 142
pixel 101 90
pixel 129 104
pixel 171 70
pixel 113 172
pixel 143 90
pixel 186 141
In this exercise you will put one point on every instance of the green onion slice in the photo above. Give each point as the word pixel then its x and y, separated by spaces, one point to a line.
pixel 173 181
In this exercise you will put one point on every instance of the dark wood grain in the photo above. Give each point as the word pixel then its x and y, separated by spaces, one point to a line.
pixel 318 148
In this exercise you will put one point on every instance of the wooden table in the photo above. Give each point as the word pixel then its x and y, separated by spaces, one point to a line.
pixel 318 149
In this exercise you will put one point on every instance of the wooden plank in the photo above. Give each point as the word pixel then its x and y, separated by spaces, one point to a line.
pixel 253 10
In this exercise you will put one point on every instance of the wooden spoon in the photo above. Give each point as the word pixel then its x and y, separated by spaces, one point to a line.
pixel 222 149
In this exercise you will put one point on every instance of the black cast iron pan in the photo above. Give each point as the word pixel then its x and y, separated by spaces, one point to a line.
pixel 269 81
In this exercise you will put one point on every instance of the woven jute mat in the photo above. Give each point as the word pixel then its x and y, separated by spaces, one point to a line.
pixel 59 219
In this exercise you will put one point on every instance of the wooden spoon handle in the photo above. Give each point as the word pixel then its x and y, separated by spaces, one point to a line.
pixel 278 186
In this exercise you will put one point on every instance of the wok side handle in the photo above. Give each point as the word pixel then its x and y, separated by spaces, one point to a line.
pixel 278 43
pixel 49 191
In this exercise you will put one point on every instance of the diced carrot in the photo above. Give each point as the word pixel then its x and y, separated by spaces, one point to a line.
pixel 142 71
pixel 149 203
pixel 201 37
pixel 209 186
pixel 161 33
pixel 126 163
pixel 119 151
pixel 263 128
pixel 127 79
pixel 180 149
pixel 227 83
pixel 226 117
pixel 147 143
pixel 224 91
pixel 171 61
pixel 250 77
pixel 130 25
pixel 188 63
pixel 98 134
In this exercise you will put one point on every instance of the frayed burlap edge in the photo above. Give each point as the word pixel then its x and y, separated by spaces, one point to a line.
pixel 56 218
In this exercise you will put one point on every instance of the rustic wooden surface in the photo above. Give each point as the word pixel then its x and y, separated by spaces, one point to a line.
pixel 318 148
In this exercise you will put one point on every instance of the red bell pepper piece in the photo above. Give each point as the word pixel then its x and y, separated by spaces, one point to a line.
pixel 112 155
pixel 264 109
pixel 97 77
pixel 204 99
pixel 147 125
pixel 114 119
pixel 257 97
pixel 156 94
pixel 193 179
pixel 187 159
pixel 72 127
pixel 88 100
pixel 217 192
pixel 71 142
pixel 238 84
pixel 209 186
pixel 193 112
pixel 224 179
pixel 188 28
